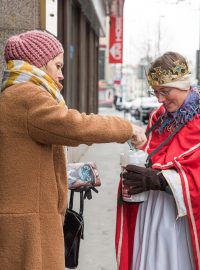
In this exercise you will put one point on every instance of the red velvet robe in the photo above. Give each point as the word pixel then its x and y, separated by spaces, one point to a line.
pixel 182 153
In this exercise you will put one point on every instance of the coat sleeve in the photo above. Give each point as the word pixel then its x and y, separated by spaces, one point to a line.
pixel 50 123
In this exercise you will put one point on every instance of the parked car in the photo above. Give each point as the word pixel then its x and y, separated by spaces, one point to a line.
pixel 126 105
pixel 142 107
pixel 118 104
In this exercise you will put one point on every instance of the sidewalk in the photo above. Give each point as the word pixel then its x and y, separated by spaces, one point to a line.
pixel 97 250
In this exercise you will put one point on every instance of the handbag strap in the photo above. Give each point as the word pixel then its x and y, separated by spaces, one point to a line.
pixel 71 199
pixel 81 201
pixel 148 161
pixel 153 126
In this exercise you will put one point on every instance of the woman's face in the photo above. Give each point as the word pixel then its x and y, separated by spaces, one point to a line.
pixel 54 68
pixel 171 98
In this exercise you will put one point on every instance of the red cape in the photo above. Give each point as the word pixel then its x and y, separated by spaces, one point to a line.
pixel 182 152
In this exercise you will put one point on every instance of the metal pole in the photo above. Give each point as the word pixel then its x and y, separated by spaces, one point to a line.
pixel 199 47
pixel 159 36
pixel 159 33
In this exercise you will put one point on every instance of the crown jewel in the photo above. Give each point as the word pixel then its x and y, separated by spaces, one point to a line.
pixel 162 76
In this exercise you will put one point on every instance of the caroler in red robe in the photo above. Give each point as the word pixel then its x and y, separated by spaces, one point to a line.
pixel 163 232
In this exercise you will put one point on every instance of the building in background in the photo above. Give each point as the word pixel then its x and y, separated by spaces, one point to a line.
pixel 111 55
pixel 80 24
pixel 106 94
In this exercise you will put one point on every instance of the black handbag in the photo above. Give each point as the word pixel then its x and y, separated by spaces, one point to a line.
pixel 73 232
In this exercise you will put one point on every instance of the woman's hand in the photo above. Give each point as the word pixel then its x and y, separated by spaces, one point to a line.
pixel 138 138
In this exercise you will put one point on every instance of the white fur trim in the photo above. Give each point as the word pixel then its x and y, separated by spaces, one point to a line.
pixel 174 181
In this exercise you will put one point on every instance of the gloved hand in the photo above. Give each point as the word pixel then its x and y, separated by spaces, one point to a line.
pixel 138 179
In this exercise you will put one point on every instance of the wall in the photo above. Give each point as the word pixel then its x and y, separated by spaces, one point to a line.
pixel 15 17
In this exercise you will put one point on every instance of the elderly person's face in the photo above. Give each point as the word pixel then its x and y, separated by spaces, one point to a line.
pixel 172 98
pixel 54 68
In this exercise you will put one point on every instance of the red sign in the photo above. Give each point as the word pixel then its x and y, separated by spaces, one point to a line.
pixel 116 8
pixel 117 81
pixel 116 40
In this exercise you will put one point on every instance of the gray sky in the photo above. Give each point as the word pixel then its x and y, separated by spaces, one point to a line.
pixel 178 23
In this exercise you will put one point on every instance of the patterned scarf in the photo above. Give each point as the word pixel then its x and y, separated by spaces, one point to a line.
pixel 189 109
pixel 19 71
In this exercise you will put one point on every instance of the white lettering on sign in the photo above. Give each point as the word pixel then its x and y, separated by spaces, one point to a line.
pixel 118 29
pixel 116 40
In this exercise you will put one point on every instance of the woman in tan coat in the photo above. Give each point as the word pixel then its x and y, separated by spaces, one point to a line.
pixel 35 124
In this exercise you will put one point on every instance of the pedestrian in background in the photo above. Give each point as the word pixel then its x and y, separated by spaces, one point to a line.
pixel 35 124
pixel 163 231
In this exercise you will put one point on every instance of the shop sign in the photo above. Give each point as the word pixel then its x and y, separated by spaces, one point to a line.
pixel 116 40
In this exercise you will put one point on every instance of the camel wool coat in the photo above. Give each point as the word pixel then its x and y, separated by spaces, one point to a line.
pixel 33 181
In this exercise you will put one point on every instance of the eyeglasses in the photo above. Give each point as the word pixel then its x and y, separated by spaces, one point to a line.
pixel 163 93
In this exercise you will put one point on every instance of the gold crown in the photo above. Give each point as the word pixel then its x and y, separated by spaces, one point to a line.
pixel 162 76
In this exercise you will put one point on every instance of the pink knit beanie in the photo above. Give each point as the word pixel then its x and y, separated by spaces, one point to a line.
pixel 35 47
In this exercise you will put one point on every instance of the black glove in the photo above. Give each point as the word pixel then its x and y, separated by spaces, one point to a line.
pixel 138 179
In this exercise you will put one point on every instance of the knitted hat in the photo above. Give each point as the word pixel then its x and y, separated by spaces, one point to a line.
pixel 35 47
